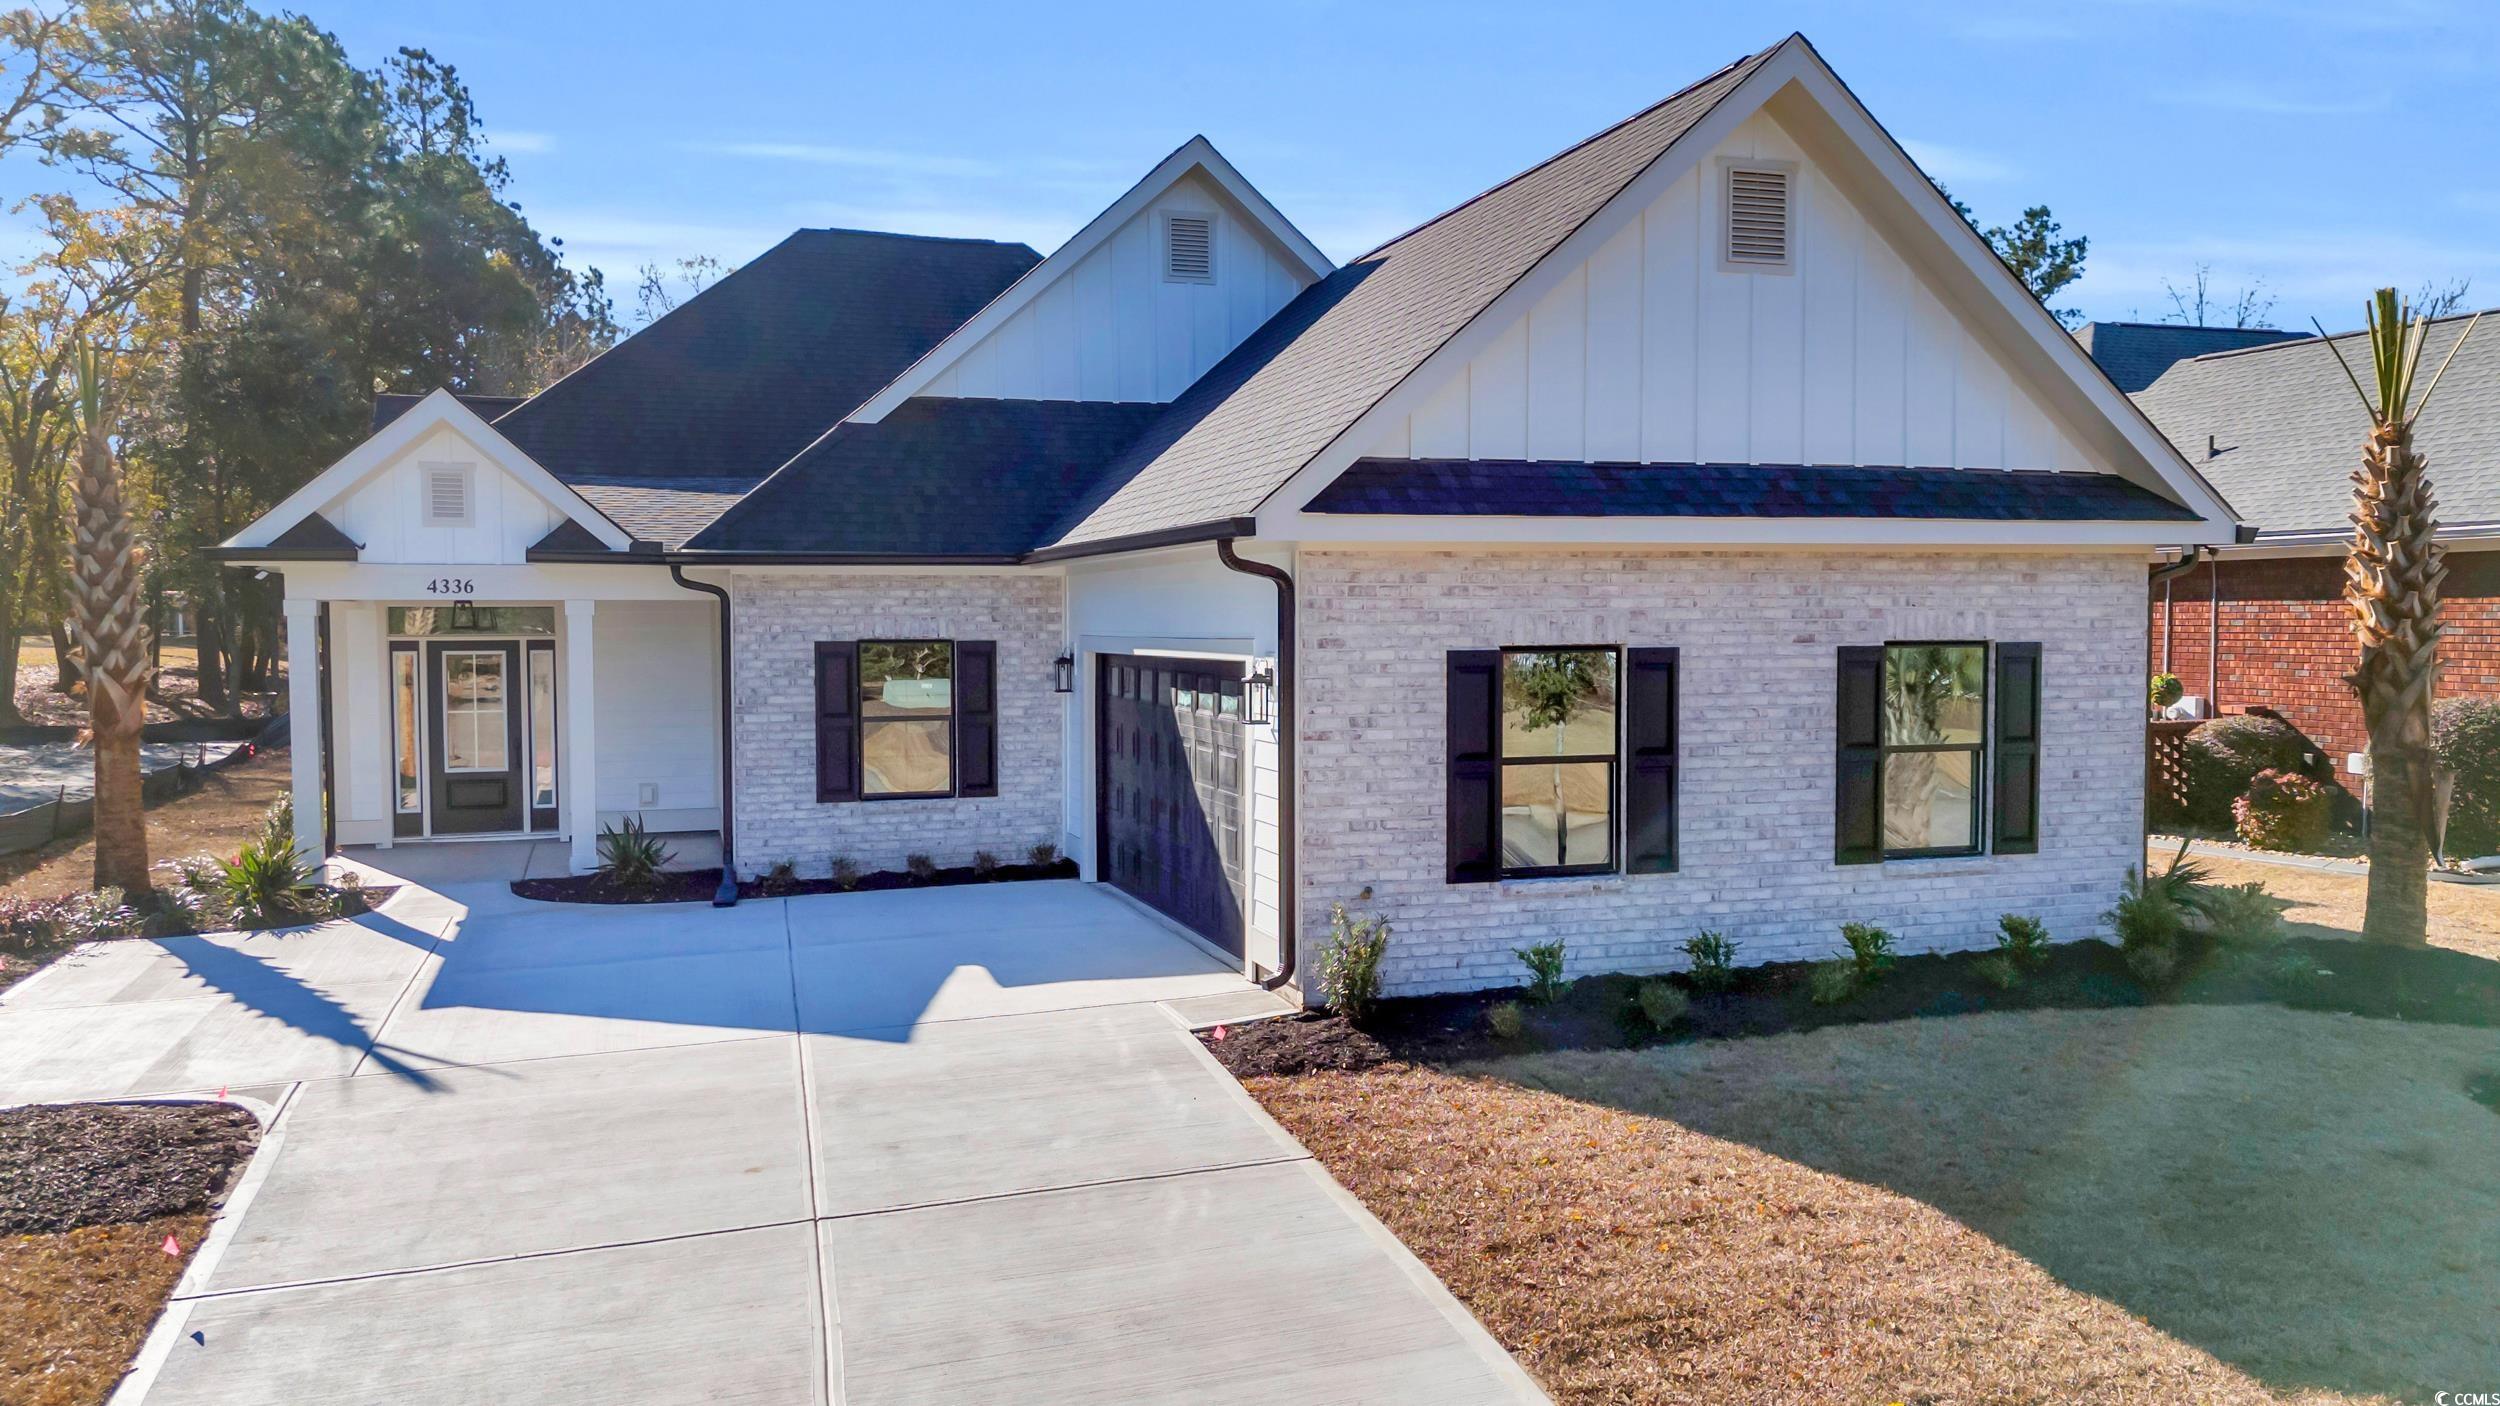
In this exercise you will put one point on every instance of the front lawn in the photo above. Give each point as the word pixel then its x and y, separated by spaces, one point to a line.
pixel 2169 1203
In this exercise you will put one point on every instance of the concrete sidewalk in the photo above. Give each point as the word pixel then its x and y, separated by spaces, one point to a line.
pixel 949 1145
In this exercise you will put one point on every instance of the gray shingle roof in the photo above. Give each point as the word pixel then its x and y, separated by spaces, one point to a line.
pixel 937 478
pixel 663 510
pixel 2286 429
pixel 2136 353
pixel 1542 488
pixel 1282 396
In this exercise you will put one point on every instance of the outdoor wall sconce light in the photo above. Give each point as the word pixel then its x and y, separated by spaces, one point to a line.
pixel 1063 674
pixel 1258 698
pixel 463 615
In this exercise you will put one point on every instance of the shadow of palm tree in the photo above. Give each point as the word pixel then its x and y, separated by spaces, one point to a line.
pixel 270 991
pixel 2313 1198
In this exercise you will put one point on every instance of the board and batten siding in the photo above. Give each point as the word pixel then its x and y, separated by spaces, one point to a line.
pixel 1651 352
pixel 1113 328
pixel 385 511
pixel 1759 634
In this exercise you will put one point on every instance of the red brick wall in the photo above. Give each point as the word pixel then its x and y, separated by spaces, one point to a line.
pixel 2285 643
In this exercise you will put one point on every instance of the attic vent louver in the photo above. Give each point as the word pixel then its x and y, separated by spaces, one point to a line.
pixel 447 495
pixel 1757 216
pixel 1189 248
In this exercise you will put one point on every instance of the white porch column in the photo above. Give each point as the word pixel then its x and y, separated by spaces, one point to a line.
pixel 304 725
pixel 578 757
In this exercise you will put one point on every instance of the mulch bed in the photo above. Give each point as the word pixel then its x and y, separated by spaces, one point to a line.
pixel 63 1166
pixel 2423 985
pixel 698 885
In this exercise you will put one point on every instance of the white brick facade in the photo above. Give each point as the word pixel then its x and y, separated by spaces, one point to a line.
pixel 1758 633
pixel 779 617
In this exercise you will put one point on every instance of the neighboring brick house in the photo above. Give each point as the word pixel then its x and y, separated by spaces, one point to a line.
pixel 1701 528
pixel 2278 429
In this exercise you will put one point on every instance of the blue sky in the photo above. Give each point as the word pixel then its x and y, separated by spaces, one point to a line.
pixel 2232 132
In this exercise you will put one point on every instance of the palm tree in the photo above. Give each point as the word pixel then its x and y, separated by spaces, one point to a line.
pixel 109 615
pixel 2391 582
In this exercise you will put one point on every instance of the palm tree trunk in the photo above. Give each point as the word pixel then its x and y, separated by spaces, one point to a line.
pixel 112 630
pixel 2400 879
pixel 121 820
pixel 2391 583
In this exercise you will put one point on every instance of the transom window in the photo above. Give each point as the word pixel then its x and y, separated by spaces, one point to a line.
pixel 1935 729
pixel 906 718
pixel 1558 756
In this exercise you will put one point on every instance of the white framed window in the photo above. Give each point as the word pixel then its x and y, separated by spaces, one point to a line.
pixel 1758 230
pixel 1188 247
pixel 450 493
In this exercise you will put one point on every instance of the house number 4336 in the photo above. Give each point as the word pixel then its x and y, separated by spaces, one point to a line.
pixel 451 586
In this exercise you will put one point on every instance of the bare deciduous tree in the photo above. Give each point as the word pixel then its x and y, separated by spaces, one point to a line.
pixel 2199 305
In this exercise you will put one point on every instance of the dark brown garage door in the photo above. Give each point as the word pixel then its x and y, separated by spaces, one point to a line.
pixel 1168 786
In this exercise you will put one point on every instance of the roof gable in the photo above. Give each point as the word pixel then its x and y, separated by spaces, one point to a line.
pixel 2136 353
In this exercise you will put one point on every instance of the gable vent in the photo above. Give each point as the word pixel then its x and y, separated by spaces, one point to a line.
pixel 447 495
pixel 1757 216
pixel 1189 248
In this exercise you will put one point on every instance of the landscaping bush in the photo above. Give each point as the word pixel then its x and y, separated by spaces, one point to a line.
pixel 845 872
pixel 1832 982
pixel 1043 856
pixel 267 880
pixel 2240 915
pixel 2022 941
pixel 632 857
pixel 2164 690
pixel 32 926
pixel 984 863
pixel 1663 1004
pixel 1545 970
pixel 782 878
pixel 2146 915
pixel 1870 950
pixel 1713 955
pixel 1507 1021
pixel 1999 971
pixel 2224 755
pixel 2465 738
pixel 920 866
pixel 2285 811
pixel 1349 973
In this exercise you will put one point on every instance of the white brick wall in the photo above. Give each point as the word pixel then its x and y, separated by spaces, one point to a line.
pixel 1758 633
pixel 778 618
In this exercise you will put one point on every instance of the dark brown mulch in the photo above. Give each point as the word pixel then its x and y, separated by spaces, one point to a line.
pixel 63 1166
pixel 1299 1044
pixel 698 885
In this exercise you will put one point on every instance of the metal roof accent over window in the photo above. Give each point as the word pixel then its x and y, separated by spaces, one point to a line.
pixel 1189 248
pixel 447 495
pixel 1757 216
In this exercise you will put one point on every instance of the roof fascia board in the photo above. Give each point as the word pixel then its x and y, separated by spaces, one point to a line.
pixel 1351 528
pixel 439 409
pixel 1515 301
pixel 1195 154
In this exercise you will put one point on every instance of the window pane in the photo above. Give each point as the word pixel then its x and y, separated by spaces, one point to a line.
pixel 542 728
pixel 1558 703
pixel 1932 693
pixel 407 797
pixel 1927 800
pixel 1557 815
pixel 905 757
pixel 473 713
pixel 907 680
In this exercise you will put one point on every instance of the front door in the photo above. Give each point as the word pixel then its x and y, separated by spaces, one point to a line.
pixel 477 754
pixel 1168 788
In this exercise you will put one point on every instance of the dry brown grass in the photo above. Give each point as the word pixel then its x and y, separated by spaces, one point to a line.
pixel 78 1304
pixel 2164 1205
pixel 216 819
pixel 2465 917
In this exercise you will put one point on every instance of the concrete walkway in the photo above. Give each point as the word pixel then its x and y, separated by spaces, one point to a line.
pixel 945 1146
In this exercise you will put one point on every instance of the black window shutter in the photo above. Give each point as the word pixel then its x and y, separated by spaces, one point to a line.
pixel 837 721
pixel 2017 788
pixel 1649 760
pixel 1857 779
pixel 1475 765
pixel 976 718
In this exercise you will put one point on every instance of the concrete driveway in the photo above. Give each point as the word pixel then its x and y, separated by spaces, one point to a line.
pixel 944 1146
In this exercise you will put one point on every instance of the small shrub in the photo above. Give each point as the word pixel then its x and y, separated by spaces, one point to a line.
pixel 1663 1004
pixel 1544 961
pixel 1999 970
pixel 782 878
pixel 1349 973
pixel 2153 963
pixel 2023 941
pixel 1870 950
pixel 2284 810
pixel 2293 970
pixel 631 856
pixel 29 926
pixel 984 863
pixel 2465 740
pixel 921 866
pixel 2240 915
pixel 1507 1021
pixel 1043 856
pixel 1830 983
pixel 277 824
pixel 845 872
pixel 267 880
pixel 1713 955
pixel 2151 910
pixel 2224 755
pixel 2165 690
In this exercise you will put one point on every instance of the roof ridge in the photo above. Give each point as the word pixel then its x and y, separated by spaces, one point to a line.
pixel 1591 139
pixel 903 234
